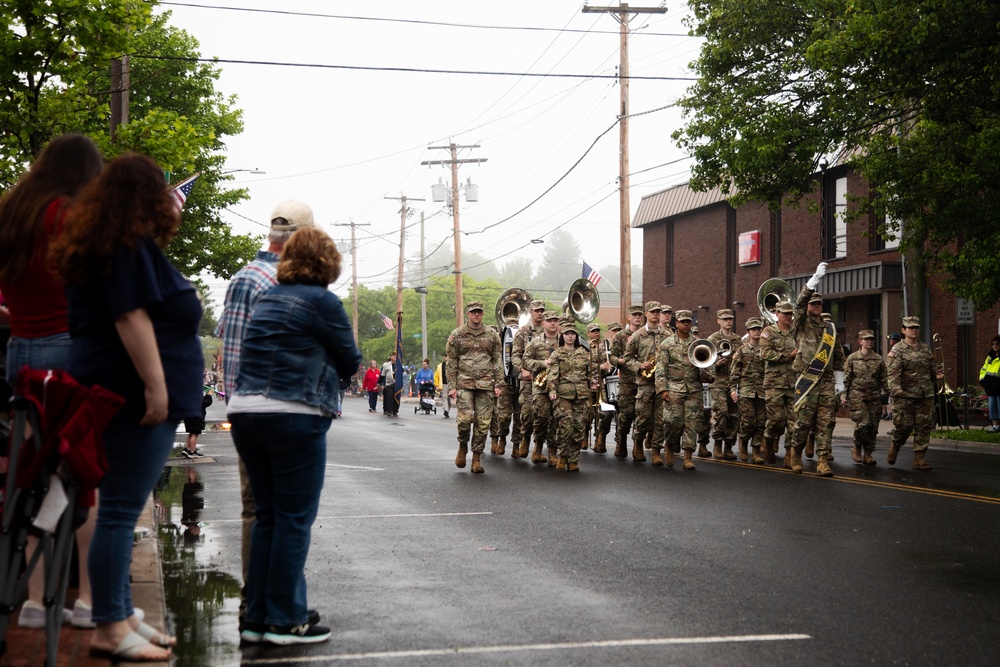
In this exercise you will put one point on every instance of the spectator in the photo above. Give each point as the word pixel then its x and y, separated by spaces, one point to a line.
pixel 370 385
pixel 298 344
pixel 196 426
pixel 989 378
pixel 134 323
pixel 31 216
pixel 390 399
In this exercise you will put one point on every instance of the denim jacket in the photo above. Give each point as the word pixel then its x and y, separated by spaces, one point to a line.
pixel 298 343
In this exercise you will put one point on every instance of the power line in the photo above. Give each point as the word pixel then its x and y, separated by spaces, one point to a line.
pixel 411 70
pixel 410 21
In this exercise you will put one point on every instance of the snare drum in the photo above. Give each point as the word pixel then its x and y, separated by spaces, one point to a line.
pixel 611 389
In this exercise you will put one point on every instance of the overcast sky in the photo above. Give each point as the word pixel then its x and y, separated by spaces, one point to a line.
pixel 342 140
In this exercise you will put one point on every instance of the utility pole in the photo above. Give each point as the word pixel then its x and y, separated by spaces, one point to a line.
pixel 622 13
pixel 121 81
pixel 354 275
pixel 453 163
pixel 404 211
pixel 423 293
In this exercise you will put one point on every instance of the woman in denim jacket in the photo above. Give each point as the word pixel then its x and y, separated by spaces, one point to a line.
pixel 298 344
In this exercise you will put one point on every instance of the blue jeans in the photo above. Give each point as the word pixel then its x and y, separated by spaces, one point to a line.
pixel 136 455
pixel 285 458
pixel 994 403
pixel 42 353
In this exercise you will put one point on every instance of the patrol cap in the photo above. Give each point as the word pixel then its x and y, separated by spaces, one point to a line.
pixel 537 304
pixel 754 323
pixel 666 308
pixel 784 307
pixel 911 322
pixel 593 327
pixel 694 330
pixel 724 314
pixel 683 315
pixel 511 320
pixel 567 327
pixel 550 315
pixel 614 326
pixel 473 305
pixel 635 310
pixel 816 298
pixel 866 333
pixel 653 306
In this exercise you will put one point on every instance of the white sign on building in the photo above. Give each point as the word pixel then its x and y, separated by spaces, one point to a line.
pixel 965 312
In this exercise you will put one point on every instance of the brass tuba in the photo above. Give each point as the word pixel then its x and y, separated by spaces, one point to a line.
pixel 702 353
pixel 513 303
pixel 772 292
pixel 583 301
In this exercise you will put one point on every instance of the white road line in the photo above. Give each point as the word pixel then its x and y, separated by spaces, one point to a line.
pixel 341 465
pixel 566 646
pixel 374 516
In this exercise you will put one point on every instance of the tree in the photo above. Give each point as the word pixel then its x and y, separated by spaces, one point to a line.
pixel 54 69
pixel 905 91
pixel 561 264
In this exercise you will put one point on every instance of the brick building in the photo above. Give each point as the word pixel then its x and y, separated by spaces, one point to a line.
pixel 702 254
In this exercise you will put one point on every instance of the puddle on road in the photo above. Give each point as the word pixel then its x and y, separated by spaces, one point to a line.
pixel 203 603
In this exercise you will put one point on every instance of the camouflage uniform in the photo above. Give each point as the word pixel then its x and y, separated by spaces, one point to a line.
pixel 865 380
pixel 506 413
pixel 535 355
pixel 570 376
pixel 676 374
pixel 725 413
pixel 747 378
pixel 911 374
pixel 474 369
pixel 819 408
pixel 775 351
pixel 642 346
pixel 625 414
pixel 524 335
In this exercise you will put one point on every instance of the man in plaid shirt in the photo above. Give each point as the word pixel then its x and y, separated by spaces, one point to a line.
pixel 245 290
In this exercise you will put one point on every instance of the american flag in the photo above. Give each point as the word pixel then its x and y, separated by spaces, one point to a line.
pixel 182 190
pixel 386 321
pixel 590 274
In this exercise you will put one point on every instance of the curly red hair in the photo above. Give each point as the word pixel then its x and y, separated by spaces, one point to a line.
pixel 129 200
pixel 309 258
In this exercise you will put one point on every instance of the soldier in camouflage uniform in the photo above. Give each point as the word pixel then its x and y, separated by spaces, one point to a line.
pixel 819 407
pixel 912 380
pixel 506 415
pixel 640 355
pixel 472 356
pixel 746 384
pixel 725 413
pixel 536 360
pixel 777 350
pixel 865 380
pixel 524 335
pixel 597 419
pixel 626 382
pixel 678 382
pixel 571 379
pixel 704 429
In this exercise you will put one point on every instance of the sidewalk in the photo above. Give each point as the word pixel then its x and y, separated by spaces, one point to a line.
pixel 27 647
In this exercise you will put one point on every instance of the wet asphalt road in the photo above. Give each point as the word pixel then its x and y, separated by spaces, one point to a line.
pixel 415 562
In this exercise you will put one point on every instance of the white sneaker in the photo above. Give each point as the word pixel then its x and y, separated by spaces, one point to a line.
pixel 81 616
pixel 33 615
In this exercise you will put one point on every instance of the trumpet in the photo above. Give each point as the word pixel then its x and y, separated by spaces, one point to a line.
pixel 541 379
pixel 651 371
pixel 703 353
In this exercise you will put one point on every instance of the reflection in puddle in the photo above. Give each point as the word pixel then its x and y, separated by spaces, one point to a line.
pixel 203 603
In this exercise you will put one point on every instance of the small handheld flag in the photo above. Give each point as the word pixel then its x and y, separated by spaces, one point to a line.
pixel 182 191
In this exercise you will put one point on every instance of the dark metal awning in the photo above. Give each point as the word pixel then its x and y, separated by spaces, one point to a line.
pixel 856 280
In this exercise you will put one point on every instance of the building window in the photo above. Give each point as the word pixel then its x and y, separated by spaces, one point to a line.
pixel 882 224
pixel 835 218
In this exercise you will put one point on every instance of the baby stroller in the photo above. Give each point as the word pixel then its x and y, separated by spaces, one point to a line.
pixel 426 399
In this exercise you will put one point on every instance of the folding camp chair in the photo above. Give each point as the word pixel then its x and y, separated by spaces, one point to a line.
pixel 55 460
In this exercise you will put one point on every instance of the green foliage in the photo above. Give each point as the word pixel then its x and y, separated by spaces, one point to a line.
pixel 906 91
pixel 55 68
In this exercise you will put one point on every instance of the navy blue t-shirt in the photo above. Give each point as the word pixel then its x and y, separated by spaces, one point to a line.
pixel 140 277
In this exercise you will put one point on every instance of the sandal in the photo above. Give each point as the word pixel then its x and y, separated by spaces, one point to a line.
pixel 131 650
pixel 154 636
